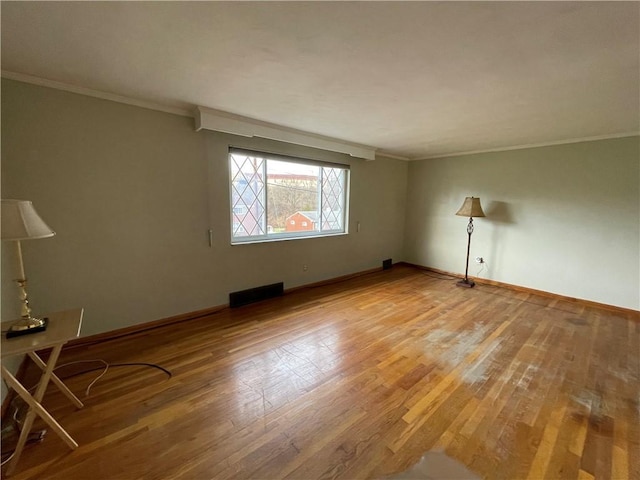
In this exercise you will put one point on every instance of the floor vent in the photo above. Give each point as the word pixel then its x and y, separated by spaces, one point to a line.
pixel 245 297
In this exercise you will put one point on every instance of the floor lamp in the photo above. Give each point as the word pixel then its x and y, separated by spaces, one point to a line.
pixel 20 221
pixel 470 208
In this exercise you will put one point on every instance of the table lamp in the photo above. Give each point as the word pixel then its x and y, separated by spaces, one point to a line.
pixel 20 221
pixel 470 208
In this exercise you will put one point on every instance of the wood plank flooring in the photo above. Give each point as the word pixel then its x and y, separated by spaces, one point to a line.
pixel 358 380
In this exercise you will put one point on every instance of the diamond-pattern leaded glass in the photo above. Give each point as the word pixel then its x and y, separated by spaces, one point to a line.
pixel 333 195
pixel 276 197
pixel 247 196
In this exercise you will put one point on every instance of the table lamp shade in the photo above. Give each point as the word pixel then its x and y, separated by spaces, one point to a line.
pixel 471 208
pixel 20 221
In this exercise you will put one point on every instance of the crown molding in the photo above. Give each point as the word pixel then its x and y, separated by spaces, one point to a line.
pixel 533 145
pixel 43 82
pixel 381 153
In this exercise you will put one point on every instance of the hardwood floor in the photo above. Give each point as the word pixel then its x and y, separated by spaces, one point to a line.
pixel 358 380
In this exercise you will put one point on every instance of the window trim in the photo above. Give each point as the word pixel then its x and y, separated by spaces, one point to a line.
pixel 276 237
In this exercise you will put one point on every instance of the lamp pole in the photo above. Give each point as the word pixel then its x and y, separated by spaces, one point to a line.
pixel 470 208
pixel 22 285
pixel 466 282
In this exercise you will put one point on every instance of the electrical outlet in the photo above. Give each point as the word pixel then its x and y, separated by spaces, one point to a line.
pixel 479 260
pixel 305 268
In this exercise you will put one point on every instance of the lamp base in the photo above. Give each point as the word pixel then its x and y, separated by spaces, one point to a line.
pixel 466 282
pixel 26 326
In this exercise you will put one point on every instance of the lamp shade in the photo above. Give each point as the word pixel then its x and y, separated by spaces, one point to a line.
pixel 471 208
pixel 20 221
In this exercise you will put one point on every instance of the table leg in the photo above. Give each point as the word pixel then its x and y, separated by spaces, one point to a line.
pixel 36 408
pixel 54 378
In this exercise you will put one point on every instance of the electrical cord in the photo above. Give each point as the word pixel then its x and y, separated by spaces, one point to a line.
pixel 8 459
pixel 483 263
pixel 104 371
pixel 16 422
pixel 107 366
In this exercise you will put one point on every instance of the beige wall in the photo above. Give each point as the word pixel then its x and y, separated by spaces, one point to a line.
pixel 131 194
pixel 564 219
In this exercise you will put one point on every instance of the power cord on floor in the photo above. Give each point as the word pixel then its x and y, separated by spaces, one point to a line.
pixel 17 423
pixel 106 367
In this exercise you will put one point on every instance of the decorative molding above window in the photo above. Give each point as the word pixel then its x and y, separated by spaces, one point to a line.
pixel 220 121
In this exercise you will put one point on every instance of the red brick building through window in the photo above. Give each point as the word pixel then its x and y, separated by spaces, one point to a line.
pixel 301 222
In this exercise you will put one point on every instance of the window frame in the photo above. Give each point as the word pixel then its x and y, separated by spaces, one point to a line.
pixel 284 236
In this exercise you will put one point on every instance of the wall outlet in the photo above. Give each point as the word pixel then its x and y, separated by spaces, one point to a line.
pixel 305 268
pixel 479 260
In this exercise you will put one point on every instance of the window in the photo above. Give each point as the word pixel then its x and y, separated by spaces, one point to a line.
pixel 274 197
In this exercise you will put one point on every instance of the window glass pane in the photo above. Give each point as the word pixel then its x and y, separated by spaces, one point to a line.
pixel 333 196
pixel 247 196
pixel 292 190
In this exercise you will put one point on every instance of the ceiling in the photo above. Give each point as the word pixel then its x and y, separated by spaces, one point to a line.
pixel 413 79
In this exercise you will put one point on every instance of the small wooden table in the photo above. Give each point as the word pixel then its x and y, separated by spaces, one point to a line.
pixel 62 327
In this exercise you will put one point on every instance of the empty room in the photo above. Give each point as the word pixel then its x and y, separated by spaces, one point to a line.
pixel 304 240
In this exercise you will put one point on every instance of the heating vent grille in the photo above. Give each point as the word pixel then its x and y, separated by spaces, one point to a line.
pixel 252 295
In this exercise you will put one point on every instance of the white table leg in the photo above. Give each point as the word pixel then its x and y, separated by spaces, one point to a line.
pixel 54 378
pixel 36 408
